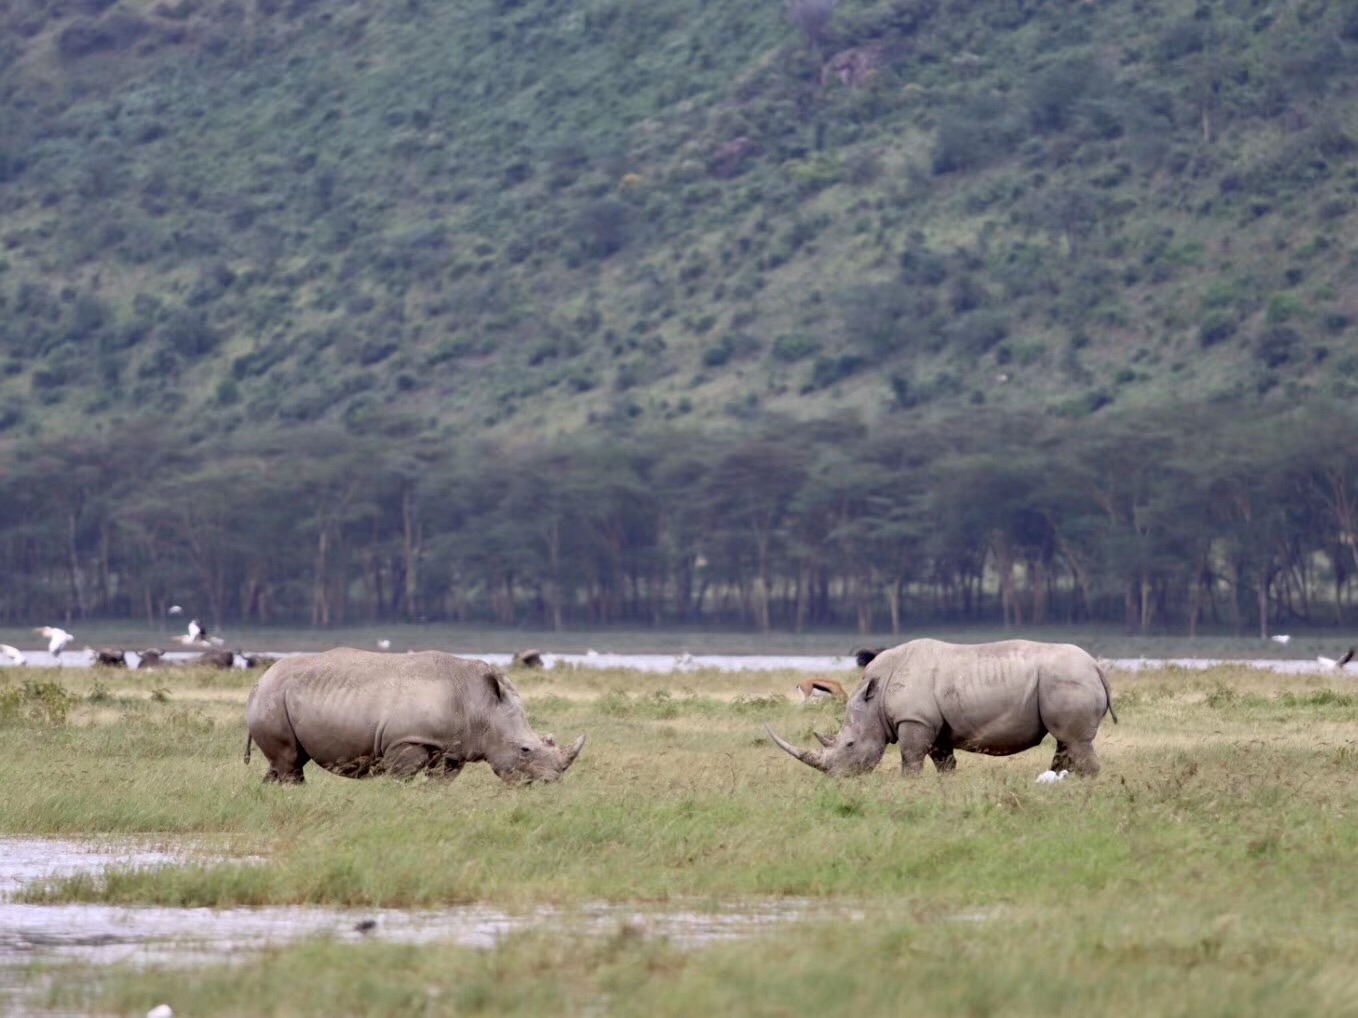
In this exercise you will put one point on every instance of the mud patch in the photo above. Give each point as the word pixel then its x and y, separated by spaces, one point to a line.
pixel 35 940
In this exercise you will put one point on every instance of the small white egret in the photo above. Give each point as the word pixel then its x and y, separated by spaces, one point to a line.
pixel 15 655
pixel 161 1011
pixel 174 609
pixel 1333 665
pixel 1283 638
pixel 196 630
pixel 384 644
pixel 1051 777
pixel 57 639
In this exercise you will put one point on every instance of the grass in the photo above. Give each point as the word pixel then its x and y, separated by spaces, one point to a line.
pixel 1207 871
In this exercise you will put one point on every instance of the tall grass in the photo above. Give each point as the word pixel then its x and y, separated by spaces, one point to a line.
pixel 1206 871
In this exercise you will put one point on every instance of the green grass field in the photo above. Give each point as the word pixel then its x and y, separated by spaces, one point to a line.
pixel 1209 870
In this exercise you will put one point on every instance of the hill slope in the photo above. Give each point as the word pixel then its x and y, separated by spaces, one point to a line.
pixel 517 217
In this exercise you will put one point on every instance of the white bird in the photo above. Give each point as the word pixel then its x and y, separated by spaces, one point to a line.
pixel 1282 638
pixel 196 630
pixel 13 653
pixel 1051 777
pixel 384 644
pixel 174 609
pixel 161 1011
pixel 1333 665
pixel 57 639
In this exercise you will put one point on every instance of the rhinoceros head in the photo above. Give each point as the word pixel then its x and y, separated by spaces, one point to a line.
pixel 859 745
pixel 514 751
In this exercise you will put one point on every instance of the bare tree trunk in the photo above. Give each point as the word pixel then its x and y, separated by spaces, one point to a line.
pixel 320 605
pixel 893 602
pixel 76 580
pixel 411 545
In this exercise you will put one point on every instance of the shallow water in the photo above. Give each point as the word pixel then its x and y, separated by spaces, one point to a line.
pixel 665 664
pixel 106 934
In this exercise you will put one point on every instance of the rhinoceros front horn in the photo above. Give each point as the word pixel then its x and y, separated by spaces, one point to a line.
pixel 806 756
pixel 573 752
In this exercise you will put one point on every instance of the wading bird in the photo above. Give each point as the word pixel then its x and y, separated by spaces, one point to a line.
pixel 1282 638
pixel 14 654
pixel 197 636
pixel 1332 664
pixel 57 639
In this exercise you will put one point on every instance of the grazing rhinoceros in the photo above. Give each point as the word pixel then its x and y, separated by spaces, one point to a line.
pixel 994 698
pixel 358 713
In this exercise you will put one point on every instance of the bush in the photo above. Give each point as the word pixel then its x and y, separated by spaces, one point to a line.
pixel 36 703
pixel 791 348
pixel 826 371
pixel 601 227
pixel 978 332
pixel 1217 327
pixel 1278 346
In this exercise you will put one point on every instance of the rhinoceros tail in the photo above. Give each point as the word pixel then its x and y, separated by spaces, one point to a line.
pixel 1106 692
pixel 247 747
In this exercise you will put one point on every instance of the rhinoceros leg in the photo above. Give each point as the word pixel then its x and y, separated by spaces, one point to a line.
pixel 1083 760
pixel 406 759
pixel 916 742
pixel 1061 759
pixel 941 753
pixel 285 763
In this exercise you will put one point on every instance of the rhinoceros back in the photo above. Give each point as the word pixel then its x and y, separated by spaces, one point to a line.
pixel 992 696
pixel 346 705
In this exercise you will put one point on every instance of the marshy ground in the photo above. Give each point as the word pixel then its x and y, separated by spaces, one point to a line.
pixel 1208 871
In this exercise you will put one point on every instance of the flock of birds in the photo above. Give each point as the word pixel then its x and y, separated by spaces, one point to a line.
pixel 59 640
pixel 1328 663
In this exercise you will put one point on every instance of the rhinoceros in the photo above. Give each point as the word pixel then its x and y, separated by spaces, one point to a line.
pixel 358 713
pixel 994 698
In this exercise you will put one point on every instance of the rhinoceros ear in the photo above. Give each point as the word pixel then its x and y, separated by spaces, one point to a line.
pixel 869 689
pixel 497 685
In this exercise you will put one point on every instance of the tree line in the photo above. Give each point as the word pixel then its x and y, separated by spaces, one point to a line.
pixel 1166 521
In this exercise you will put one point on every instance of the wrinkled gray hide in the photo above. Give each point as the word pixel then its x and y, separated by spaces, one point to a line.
pixel 994 698
pixel 358 713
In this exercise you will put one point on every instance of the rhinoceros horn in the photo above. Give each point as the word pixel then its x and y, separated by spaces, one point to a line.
pixel 573 752
pixel 806 756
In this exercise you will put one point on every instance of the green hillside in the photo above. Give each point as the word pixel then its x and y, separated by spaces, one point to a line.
pixel 531 216
pixel 343 289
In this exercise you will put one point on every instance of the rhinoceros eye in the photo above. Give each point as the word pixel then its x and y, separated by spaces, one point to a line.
pixel 525 750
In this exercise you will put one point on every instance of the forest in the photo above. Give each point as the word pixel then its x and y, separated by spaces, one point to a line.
pixel 1164 523
pixel 848 313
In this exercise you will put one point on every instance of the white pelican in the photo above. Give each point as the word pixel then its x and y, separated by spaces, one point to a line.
pixel 15 655
pixel 1333 665
pixel 57 639
pixel 1282 638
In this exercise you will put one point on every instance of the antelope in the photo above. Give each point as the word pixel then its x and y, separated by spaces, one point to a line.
pixel 819 689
